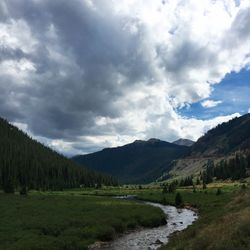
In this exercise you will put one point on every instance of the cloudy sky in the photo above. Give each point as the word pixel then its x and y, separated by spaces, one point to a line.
pixel 81 75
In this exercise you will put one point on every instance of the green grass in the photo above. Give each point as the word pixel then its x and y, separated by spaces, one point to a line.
pixel 224 220
pixel 76 218
pixel 69 220
pixel 223 224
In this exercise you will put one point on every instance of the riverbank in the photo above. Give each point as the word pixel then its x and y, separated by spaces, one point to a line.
pixel 211 230
pixel 74 219
pixel 153 238
pixel 68 221
pixel 222 225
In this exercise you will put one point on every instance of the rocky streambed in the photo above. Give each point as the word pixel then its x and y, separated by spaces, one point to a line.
pixel 177 220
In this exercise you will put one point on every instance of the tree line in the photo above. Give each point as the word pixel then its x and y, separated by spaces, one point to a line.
pixel 27 164
pixel 234 168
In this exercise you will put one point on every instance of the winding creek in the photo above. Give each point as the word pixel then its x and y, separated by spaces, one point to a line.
pixel 153 238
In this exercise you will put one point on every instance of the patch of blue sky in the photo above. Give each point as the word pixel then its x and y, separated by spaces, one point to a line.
pixel 233 92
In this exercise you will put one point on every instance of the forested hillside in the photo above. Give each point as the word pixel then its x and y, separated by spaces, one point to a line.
pixel 225 138
pixel 137 162
pixel 27 164
pixel 227 146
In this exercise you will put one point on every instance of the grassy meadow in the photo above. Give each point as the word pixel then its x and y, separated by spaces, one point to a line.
pixel 76 218
pixel 224 222
pixel 224 219
pixel 68 221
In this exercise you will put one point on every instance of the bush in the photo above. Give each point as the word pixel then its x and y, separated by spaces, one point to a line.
pixel 164 201
pixel 8 187
pixel 178 200
pixel 23 191
pixel 218 191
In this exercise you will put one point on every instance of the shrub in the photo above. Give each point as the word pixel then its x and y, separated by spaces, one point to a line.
pixel 23 191
pixel 218 192
pixel 178 200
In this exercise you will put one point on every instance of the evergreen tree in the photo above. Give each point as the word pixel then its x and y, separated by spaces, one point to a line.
pixel 165 188
pixel 194 189
pixel 198 181
pixel 26 164
pixel 218 192
pixel 204 186
pixel 172 186
pixel 178 200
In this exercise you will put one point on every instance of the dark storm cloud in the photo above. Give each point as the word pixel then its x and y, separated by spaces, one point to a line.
pixel 11 54
pixel 71 70
pixel 64 96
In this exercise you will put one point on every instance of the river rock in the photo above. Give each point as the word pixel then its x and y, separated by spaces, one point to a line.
pixel 158 242
pixel 96 245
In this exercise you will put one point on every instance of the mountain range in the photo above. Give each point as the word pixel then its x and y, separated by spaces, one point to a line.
pixel 27 163
pixel 137 162
pixel 218 144
pixel 145 161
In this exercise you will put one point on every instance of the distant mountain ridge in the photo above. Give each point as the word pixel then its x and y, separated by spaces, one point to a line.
pixel 145 161
pixel 137 162
pixel 184 142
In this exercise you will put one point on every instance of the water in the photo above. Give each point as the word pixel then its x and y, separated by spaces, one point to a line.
pixel 149 239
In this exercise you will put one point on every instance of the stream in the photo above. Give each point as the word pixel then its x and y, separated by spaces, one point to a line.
pixel 152 238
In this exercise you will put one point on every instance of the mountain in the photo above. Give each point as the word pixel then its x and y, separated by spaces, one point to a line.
pixel 27 164
pixel 137 162
pixel 226 138
pixel 184 142
pixel 219 144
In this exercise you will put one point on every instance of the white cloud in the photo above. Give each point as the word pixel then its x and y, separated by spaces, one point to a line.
pixel 16 34
pixel 210 103
pixel 105 72
pixel 194 128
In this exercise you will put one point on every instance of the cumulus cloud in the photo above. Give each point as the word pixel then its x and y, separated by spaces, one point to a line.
pixel 87 74
pixel 210 103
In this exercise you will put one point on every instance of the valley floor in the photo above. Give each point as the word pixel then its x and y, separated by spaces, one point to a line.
pixel 224 219
pixel 75 219
pixel 68 220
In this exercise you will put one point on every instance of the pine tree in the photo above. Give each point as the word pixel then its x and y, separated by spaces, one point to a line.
pixel 165 188
pixel 26 164
pixel 218 192
pixel 178 200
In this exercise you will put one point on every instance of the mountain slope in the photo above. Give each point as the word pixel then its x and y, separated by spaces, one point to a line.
pixel 184 142
pixel 27 164
pixel 218 144
pixel 137 162
pixel 224 139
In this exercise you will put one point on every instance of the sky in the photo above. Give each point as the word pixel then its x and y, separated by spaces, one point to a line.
pixel 82 75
